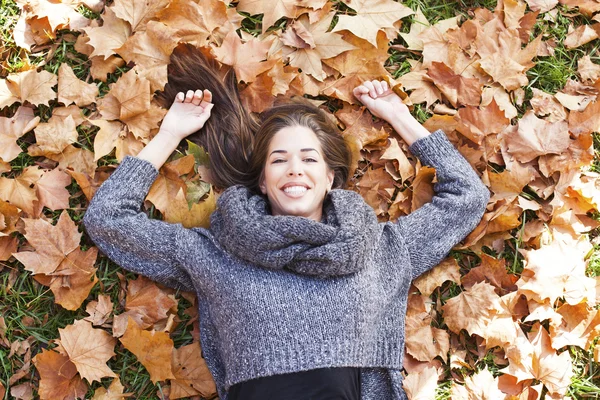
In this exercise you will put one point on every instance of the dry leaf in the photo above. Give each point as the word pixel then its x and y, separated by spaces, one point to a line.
pixel 58 377
pixel 72 90
pixel 88 349
pixel 152 349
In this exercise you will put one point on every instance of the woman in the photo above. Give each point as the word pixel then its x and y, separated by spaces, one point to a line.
pixel 302 293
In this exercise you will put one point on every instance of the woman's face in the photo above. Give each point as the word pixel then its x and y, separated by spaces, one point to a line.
pixel 296 177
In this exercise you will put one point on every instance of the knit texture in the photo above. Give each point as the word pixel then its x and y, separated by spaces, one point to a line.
pixel 338 245
pixel 257 321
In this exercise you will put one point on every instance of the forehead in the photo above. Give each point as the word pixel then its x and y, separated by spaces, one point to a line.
pixel 293 138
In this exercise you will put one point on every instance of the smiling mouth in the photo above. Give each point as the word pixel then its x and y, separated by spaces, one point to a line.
pixel 295 191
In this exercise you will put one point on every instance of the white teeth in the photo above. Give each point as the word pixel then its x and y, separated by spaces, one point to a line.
pixel 295 189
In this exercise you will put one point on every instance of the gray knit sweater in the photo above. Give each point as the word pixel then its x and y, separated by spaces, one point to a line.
pixel 257 321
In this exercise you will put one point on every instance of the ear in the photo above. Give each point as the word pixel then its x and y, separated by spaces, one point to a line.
pixel 330 177
pixel 262 185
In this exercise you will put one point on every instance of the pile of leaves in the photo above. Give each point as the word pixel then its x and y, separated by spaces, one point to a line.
pixel 501 318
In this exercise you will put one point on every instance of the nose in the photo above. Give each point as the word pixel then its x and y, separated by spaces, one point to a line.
pixel 295 168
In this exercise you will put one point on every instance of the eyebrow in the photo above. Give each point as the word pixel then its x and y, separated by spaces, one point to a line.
pixel 302 150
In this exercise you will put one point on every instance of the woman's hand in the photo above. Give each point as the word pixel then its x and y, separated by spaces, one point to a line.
pixel 188 114
pixel 387 105
pixel 381 100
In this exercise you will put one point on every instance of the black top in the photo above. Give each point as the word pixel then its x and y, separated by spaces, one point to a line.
pixel 316 384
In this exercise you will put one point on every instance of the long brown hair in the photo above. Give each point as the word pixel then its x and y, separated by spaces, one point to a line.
pixel 236 142
pixel 228 135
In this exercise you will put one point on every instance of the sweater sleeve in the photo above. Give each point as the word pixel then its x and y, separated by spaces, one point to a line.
pixel 456 209
pixel 115 222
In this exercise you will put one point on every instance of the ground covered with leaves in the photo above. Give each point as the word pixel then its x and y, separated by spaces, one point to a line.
pixel 512 313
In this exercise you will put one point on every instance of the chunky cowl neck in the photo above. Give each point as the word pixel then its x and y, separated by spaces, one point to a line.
pixel 339 244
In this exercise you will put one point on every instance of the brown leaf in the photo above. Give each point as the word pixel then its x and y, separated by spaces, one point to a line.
pixel 101 68
pixel 114 391
pixel 24 391
pixel 447 270
pixel 271 10
pixel 580 326
pixel 99 311
pixel 534 358
pixel 8 245
pixel 535 137
pixel 578 37
pixel 73 90
pixel 51 243
pixel 153 349
pixel 31 86
pixel 458 90
pixel 55 135
pixel 18 191
pixel 107 38
pixel 363 63
pixel 107 137
pixel 557 270
pixel 187 19
pixel 492 271
pixel 51 190
pixel 77 159
pixel 150 51
pixel 421 87
pixel 192 376
pixel 198 215
pixel 422 386
pixel 247 59
pixel 316 43
pixel 480 386
pixel 88 349
pixel 586 121
pixel 588 70
pixel 72 281
pixel 371 17
pixel 478 122
pixel 146 304
pixel 545 105
pixel 58 377
pixel 542 5
pixel 470 310
pixel 137 13
pixel 394 152
pixel 12 129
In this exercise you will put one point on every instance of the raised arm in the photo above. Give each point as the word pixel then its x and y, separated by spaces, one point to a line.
pixel 114 220
pixel 460 197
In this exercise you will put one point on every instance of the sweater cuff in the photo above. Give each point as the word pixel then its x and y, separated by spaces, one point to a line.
pixel 433 148
pixel 136 173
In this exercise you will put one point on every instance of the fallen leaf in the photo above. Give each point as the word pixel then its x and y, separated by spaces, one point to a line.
pixel 19 191
pixel 198 215
pixel 371 17
pixel 52 243
pixel 107 38
pixel 72 281
pixel 579 36
pixel 192 376
pixel 52 191
pixel 114 391
pixel 247 59
pixel 31 86
pixel 73 90
pixel 492 271
pixel 58 377
pixel 447 270
pixel 423 385
pixel 99 311
pixel 12 129
pixel 152 349
pixel 458 90
pixel 55 135
pixel 88 349
pixel 137 13
pixel 470 310
pixel 535 137
pixel 272 10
